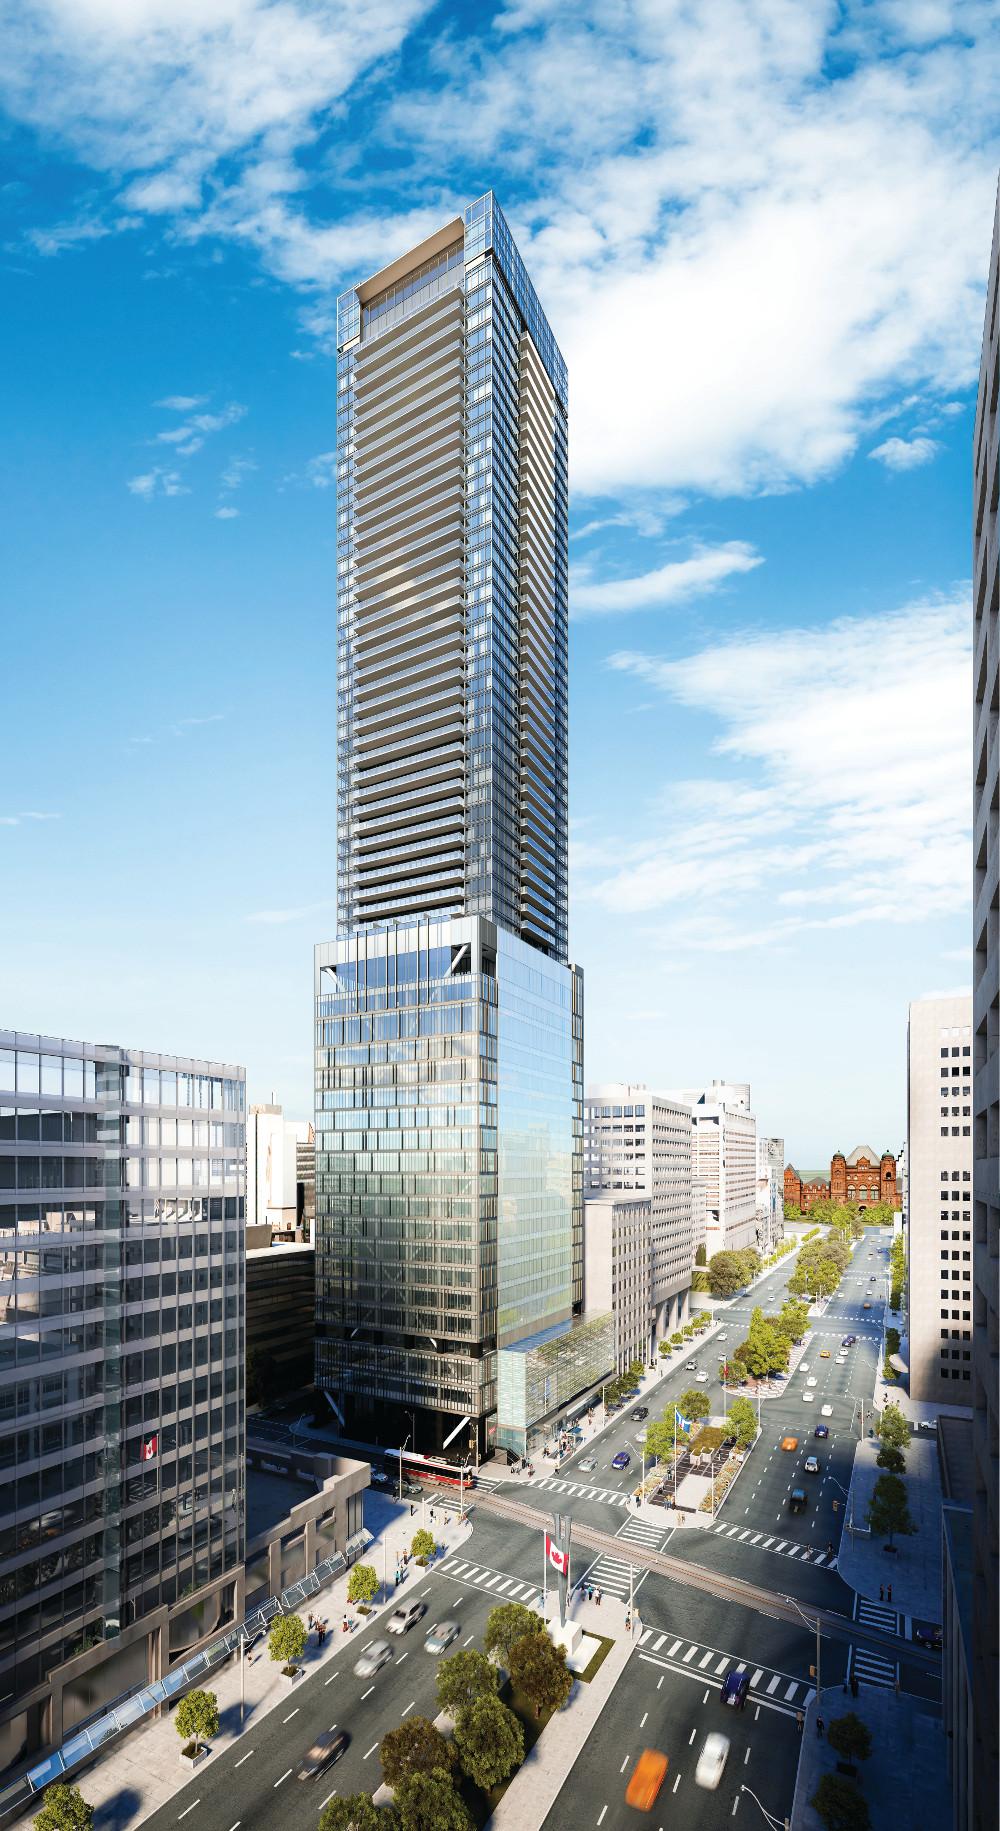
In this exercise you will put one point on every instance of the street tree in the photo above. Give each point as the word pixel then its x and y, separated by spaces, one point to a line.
pixel 893 1428
pixel 463 1678
pixel 362 1584
pixel 286 1641
pixel 429 1802
pixel 539 1670
pixel 507 1623
pixel 850 1737
pixel 741 1422
pixel 197 1716
pixel 693 1403
pixel 490 1742
pixel 888 1509
pixel 414 1747
pixel 701 1255
pixel 889 1457
pixel 358 1812
pixel 63 1809
pixel 840 1805
pixel 725 1274
pixel 422 1544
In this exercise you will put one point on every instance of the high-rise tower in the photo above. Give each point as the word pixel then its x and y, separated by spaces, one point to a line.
pixel 449 1024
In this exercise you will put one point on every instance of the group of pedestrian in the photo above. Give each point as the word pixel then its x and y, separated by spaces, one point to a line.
pixel 884 1594
pixel 321 1627
pixel 588 1590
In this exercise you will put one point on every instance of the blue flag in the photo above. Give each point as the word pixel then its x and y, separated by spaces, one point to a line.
pixel 684 1423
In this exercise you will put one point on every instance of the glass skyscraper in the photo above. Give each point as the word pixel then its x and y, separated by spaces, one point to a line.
pixel 121 1371
pixel 449 1024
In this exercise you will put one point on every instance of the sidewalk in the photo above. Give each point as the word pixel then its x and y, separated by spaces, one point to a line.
pixel 143 1770
pixel 914 1570
pixel 906 1772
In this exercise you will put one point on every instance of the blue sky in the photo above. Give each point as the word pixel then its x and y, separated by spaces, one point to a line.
pixel 766 270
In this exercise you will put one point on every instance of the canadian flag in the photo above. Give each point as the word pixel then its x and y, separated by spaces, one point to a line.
pixel 148 1450
pixel 559 1558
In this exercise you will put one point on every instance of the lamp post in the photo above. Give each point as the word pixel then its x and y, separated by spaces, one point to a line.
pixel 777 1824
pixel 401 1451
pixel 810 1624
pixel 847 1496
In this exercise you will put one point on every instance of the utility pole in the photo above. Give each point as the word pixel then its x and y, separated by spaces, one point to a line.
pixel 242 1682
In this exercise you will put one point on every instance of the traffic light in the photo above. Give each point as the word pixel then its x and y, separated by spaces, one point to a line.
pixel 836 1506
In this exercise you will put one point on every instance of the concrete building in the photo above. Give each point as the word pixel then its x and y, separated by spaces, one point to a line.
pixel 449 1022
pixel 955 1458
pixel 939 1169
pixel 121 1371
pixel 724 1161
pixel 280 1315
pixel 638 1218
pixel 986 1062
pixel 770 1191
pixel 280 1172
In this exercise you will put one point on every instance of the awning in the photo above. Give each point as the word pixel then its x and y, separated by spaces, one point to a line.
pixel 898 1364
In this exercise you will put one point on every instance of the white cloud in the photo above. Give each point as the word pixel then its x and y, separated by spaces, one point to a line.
pixel 705 570
pixel 844 798
pixel 30 814
pixel 226 513
pixel 321 471
pixel 905 454
pixel 276 918
pixel 157 482
pixel 236 471
pixel 182 403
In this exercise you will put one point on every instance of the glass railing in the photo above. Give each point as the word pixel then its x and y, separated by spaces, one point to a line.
pixel 86 1742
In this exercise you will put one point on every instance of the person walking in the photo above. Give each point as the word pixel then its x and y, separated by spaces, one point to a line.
pixel 820 1726
pixel 888 1593
pixel 854 1686
pixel 628 1624
pixel 800 1721
pixel 597 1597
pixel 881 1592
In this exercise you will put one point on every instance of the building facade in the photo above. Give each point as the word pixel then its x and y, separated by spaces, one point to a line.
pixel 770 1191
pixel 121 1371
pixel 280 1172
pixel 864 1178
pixel 803 1192
pixel 724 1161
pixel 939 1157
pixel 280 1315
pixel 986 1061
pixel 638 1215
pixel 449 1022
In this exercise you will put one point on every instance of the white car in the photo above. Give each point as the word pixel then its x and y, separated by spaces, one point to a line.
pixel 588 1465
pixel 701 1378
pixel 373 1659
pixel 712 1761
pixel 808 1397
pixel 803 1366
pixel 826 1411
pixel 842 1360
pixel 811 1381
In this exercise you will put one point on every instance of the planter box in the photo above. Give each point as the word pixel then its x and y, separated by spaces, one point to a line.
pixel 190 1762
pixel 289 1674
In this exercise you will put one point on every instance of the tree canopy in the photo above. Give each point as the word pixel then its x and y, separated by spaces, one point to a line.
pixel 840 1805
pixel 429 1802
pixel 286 1640
pixel 196 1715
pixel 888 1509
pixel 507 1623
pixel 64 1809
pixel 414 1747
pixel 850 1737
pixel 539 1670
pixel 490 1742
pixel 741 1421
pixel 362 1584
pixel 463 1678
pixel 358 1812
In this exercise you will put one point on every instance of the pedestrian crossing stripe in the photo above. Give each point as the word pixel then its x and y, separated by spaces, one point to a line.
pixel 774 1690
pixel 513 1589
pixel 787 1548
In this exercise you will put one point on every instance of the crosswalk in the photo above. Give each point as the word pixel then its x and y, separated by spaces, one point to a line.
pixel 868 1667
pixel 497 1582
pixel 876 1615
pixel 785 1548
pixel 709 1665
pixel 612 1496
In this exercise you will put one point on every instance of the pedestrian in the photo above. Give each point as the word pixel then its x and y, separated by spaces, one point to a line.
pixel 829 1548
pixel 597 1597
pixel 628 1624
pixel 345 1624
pixel 888 1593
pixel 854 1686
pixel 819 1727
pixel 881 1592
pixel 799 1721
pixel 310 1624
pixel 590 1592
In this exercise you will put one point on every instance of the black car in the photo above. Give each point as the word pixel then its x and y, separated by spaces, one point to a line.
pixel 326 1749
pixel 848 1341
pixel 797 1501
pixel 736 1690
pixel 640 1413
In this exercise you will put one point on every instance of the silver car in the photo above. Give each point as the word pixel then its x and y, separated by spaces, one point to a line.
pixel 374 1657
pixel 441 1636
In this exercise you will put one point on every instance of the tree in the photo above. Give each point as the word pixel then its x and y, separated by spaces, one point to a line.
pixel 287 1639
pixel 661 1438
pixel 422 1545
pixel 507 1623
pixel 751 1262
pixel 888 1510
pixel 766 1348
pixel 490 1742
pixel 664 1346
pixel 701 1256
pixel 737 1374
pixel 414 1747
pixel 358 1812
pixel 840 1805
pixel 636 1370
pixel 889 1457
pixel 197 1716
pixel 362 1584
pixel 693 1403
pixel 63 1809
pixel 741 1420
pixel 429 1802
pixel 539 1670
pixel 893 1428
pixel 793 1318
pixel 677 1339
pixel 725 1274
pixel 462 1679
pixel 850 1737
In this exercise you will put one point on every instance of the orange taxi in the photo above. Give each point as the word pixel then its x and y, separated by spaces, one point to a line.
pixel 789 1443
pixel 648 1776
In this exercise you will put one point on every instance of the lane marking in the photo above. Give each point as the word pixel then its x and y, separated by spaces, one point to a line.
pixel 401 1658
pixel 691 1737
pixel 468 1643
pixel 603 1811
pixel 243 1758
pixel 410 1705
pixel 283 1777
pixel 371 1751
pixel 190 1808
pixel 624 1765
pixel 329 1681
pixel 326 1801
pixel 291 1714
pixel 367 1693
pixel 677 1782
pixel 642 1725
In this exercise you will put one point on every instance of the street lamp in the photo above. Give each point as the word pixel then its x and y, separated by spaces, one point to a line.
pixel 401 1454
pixel 809 1624
pixel 777 1824
pixel 847 1496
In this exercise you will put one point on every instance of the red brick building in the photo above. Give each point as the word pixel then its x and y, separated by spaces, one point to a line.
pixel 863 1178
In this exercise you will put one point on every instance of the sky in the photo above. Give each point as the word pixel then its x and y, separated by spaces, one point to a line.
pixel 761 234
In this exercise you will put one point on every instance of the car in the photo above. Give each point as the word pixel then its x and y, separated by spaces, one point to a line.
pixel 735 1690
pixel 379 1479
pixel 406 1617
pixel 701 1378
pixel 826 1411
pixel 712 1761
pixel 824 1354
pixel 842 1360
pixel 440 1636
pixel 803 1366
pixel 621 1461
pixel 326 1749
pixel 648 1776
pixel 928 1637
pixel 848 1341
pixel 811 1381
pixel 723 1335
pixel 808 1397
pixel 822 1430
pixel 640 1413
pixel 374 1657
pixel 587 1465
pixel 691 1366
pixel 866 1305
pixel 797 1501
pixel 811 1465
pixel 789 1443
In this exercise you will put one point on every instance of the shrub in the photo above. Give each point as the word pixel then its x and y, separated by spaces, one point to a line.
pixel 63 1809
pixel 362 1584
pixel 287 1639
pixel 197 1716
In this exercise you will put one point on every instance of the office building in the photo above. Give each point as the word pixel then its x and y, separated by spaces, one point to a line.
pixel 449 1022
pixel 725 1161
pixel 280 1172
pixel 638 1220
pixel 986 1065
pixel 954 1440
pixel 121 1371
pixel 939 1164
pixel 770 1191
pixel 280 1315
